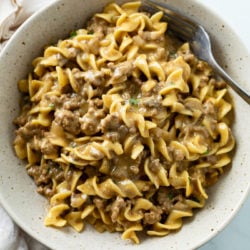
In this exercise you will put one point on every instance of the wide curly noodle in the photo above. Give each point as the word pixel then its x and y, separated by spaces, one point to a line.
pixel 122 126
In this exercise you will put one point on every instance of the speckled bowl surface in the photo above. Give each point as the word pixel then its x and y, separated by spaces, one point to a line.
pixel 17 190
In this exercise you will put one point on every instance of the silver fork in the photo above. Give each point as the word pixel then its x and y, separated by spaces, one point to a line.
pixel 199 40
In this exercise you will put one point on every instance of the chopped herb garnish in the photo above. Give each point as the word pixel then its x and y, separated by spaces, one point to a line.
pixel 170 196
pixel 206 152
pixel 73 33
pixel 172 54
pixel 51 105
pixel 90 32
pixel 134 101
pixel 48 170
pixel 195 199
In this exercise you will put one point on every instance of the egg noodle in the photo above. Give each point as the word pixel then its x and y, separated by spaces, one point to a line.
pixel 123 127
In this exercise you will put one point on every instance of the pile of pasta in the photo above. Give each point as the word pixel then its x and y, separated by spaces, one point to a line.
pixel 123 127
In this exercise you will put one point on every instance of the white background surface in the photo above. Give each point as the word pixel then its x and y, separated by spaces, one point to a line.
pixel 236 236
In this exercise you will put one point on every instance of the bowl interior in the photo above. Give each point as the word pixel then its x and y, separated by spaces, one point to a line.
pixel 18 192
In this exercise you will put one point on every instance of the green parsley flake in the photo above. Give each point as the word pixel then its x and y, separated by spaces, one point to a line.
pixel 172 54
pixel 73 33
pixel 170 196
pixel 134 101
pixel 195 199
pixel 206 152
pixel 51 105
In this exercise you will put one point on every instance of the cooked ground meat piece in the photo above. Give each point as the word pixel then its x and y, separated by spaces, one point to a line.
pixel 162 195
pixel 95 78
pixel 52 100
pixel 90 122
pixel 170 199
pixel 113 136
pixel 121 72
pixel 213 159
pixel 204 81
pixel 48 149
pixel 193 104
pixel 72 102
pixel 97 102
pixel 118 134
pixel 201 66
pixel 23 118
pixel 40 175
pixel 46 190
pixel 116 208
pixel 209 108
pixel 100 203
pixel 29 130
pixel 67 101
pixel 119 172
pixel 97 25
pixel 123 131
pixel 188 57
pixel 68 120
pixel 72 52
pixel 43 174
pixel 123 167
pixel 152 101
pixel 179 155
pixel 220 84
pixel 191 130
pixel 134 169
pixel 154 165
pixel 152 216
pixel 110 123
pixel 35 143
pixel 165 198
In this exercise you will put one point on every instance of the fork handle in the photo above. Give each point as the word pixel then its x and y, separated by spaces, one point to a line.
pixel 233 84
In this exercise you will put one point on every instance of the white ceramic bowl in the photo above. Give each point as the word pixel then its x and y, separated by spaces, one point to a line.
pixel 17 190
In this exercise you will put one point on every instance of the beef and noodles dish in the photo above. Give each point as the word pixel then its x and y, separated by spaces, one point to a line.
pixel 123 127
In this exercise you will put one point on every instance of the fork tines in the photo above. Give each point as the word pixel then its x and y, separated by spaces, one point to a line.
pixel 182 27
